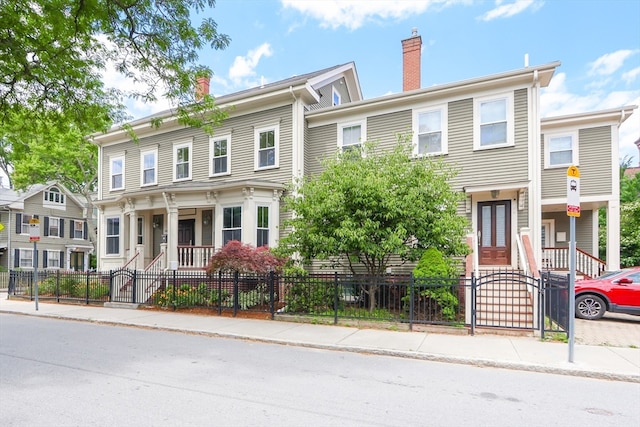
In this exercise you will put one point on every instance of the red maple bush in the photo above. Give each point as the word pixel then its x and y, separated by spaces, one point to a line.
pixel 235 256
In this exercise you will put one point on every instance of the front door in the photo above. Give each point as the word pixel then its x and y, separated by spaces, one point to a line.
pixel 76 261
pixel 494 232
pixel 186 234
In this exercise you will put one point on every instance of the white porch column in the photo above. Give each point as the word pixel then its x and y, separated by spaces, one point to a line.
pixel 133 233
pixel 172 236
pixel 613 235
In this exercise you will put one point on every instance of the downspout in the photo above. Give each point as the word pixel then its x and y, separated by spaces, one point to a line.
pixel 535 186
pixel 296 151
pixel 167 257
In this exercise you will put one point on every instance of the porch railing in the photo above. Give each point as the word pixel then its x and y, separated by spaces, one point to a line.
pixel 557 259
pixel 194 257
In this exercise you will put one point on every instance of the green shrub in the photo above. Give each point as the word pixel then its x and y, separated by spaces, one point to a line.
pixel 309 296
pixel 432 266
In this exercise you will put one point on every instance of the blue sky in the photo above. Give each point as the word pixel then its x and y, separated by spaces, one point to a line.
pixel 597 42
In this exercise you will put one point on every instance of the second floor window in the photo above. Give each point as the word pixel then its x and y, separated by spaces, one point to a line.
pixel 117 173
pixel 350 136
pixel 53 196
pixel 561 150
pixel 267 147
pixel 113 236
pixel 220 156
pixel 493 123
pixel 231 224
pixel 149 165
pixel 24 226
pixel 182 161
pixel 54 227
pixel 430 127
pixel 262 237
pixel 78 229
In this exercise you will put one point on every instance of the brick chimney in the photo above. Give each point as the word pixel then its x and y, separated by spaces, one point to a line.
pixel 411 61
pixel 202 87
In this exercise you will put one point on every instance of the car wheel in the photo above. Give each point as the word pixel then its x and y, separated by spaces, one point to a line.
pixel 590 307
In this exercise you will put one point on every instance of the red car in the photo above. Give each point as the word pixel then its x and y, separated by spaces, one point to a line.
pixel 615 291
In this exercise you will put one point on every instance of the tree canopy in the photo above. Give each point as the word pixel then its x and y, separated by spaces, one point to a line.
pixel 367 207
pixel 53 54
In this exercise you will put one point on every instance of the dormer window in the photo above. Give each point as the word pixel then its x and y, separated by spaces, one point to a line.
pixel 53 196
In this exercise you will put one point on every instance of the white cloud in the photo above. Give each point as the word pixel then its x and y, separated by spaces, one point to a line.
pixel 510 9
pixel 353 14
pixel 631 75
pixel 609 63
pixel 244 66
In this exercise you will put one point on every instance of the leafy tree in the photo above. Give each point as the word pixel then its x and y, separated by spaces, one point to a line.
pixel 367 207
pixel 630 233
pixel 235 256
pixel 53 54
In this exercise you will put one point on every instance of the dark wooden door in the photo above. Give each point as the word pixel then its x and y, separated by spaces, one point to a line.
pixel 494 232
pixel 186 234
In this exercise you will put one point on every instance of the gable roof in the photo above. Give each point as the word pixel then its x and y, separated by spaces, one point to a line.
pixel 15 199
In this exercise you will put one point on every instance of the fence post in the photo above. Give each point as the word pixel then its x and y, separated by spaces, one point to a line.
pixel 272 293
pixel 219 292
pixel 473 303
pixel 133 287
pixel 12 282
pixel 235 293
pixel 173 286
pixel 411 303
pixel 335 297
pixel 87 288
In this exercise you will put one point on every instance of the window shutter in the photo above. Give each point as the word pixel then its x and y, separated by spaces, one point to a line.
pixel 16 257
pixel 62 264
pixel 18 224
pixel 44 259
pixel 85 231
pixel 46 225
pixel 61 233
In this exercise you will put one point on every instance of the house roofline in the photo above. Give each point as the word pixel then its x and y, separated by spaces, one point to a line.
pixel 612 115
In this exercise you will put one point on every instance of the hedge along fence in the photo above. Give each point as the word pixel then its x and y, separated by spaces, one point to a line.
pixel 87 287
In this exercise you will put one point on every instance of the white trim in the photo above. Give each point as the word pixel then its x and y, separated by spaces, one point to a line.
pixel 508 97
pixel 573 134
pixel 20 250
pixel 153 151
pixel 106 235
pixel 176 146
pixel 363 132
pixel 49 230
pixel 551 235
pixel 212 141
pixel 444 134
pixel 259 205
pixel 335 93
pixel 276 146
pixel 113 159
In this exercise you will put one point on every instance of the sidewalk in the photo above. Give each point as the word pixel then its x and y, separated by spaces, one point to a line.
pixel 521 353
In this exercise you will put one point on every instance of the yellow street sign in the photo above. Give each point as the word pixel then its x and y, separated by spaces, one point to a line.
pixel 573 172
pixel 34 221
pixel 1 227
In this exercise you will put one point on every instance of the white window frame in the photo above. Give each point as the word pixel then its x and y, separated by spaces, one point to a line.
pixel 212 142
pixel 363 133
pixel 140 230
pixel 232 228
pixel 75 229
pixel 444 134
pixel 54 197
pixel 547 149
pixel 267 228
pixel 53 219
pixel 176 147
pixel 53 256
pixel 510 118
pixel 335 94
pixel 112 160
pixel 112 236
pixel 21 254
pixel 276 146
pixel 25 224
pixel 143 154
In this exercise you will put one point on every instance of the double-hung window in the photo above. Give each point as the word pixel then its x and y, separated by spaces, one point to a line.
pixel 493 124
pixel 54 227
pixel 351 135
pixel 262 237
pixel 113 236
pixel 148 167
pixel 140 230
pixel 430 131
pixel 182 158
pixel 26 258
pixel 231 224
pixel 25 227
pixel 560 149
pixel 117 173
pixel 53 259
pixel 267 141
pixel 78 229
pixel 220 149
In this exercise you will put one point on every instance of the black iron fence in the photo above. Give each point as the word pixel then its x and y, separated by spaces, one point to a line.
pixel 556 302
pixel 501 299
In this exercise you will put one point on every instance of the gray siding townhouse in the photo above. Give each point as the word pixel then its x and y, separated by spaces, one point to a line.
pixel 64 242
pixel 179 195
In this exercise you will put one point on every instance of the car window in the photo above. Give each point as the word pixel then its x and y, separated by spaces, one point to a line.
pixel 635 277
pixel 610 274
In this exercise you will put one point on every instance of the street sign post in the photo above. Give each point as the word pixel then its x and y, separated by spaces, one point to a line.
pixel 573 211
pixel 34 236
